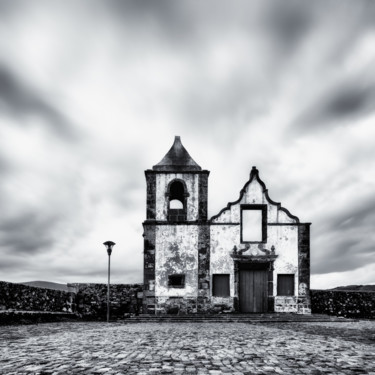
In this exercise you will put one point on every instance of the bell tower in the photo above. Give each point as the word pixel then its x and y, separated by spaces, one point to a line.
pixel 177 187
pixel 175 217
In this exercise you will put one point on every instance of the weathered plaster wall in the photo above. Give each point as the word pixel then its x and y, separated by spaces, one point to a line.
pixel 162 181
pixel 177 248
pixel 221 244
pixel 284 239
pixel 223 239
pixel 176 253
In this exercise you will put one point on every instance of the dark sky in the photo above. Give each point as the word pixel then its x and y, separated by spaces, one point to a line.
pixel 92 93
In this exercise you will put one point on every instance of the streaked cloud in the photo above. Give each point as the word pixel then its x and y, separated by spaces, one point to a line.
pixel 339 105
pixel 21 102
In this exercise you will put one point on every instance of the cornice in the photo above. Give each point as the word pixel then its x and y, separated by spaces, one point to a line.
pixel 150 172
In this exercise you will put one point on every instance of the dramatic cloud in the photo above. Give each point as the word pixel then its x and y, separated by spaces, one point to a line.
pixel 348 234
pixel 340 105
pixel 92 94
pixel 21 102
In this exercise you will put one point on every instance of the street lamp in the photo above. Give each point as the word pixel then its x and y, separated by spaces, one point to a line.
pixel 108 245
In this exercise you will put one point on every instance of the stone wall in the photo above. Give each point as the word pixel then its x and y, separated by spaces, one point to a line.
pixel 349 304
pixel 91 300
pixel 29 298
pixel 9 317
pixel 22 303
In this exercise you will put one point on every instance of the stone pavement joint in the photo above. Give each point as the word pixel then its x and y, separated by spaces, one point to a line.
pixel 199 348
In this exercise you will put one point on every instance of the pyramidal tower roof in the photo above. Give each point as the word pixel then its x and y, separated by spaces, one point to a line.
pixel 177 159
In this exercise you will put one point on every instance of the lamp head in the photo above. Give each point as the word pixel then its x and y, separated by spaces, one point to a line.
pixel 109 245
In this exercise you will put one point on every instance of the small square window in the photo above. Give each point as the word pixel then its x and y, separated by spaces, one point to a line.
pixel 285 285
pixel 220 285
pixel 176 281
pixel 254 223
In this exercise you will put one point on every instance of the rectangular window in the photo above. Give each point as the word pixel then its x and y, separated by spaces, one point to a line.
pixel 220 285
pixel 285 285
pixel 253 223
pixel 176 281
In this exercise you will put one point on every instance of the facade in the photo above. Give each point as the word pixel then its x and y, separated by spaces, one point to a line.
pixel 252 257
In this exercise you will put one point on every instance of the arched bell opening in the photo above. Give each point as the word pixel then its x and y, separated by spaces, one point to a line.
pixel 177 200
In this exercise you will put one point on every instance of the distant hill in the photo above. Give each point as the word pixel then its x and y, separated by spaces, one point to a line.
pixel 47 285
pixel 360 288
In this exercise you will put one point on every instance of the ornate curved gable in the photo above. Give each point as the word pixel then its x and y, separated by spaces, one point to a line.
pixel 254 192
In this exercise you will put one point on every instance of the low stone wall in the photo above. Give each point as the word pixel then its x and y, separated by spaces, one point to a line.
pixel 9 317
pixel 349 304
pixel 91 300
pixel 84 301
pixel 29 298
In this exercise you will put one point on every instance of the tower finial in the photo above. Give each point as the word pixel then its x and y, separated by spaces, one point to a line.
pixel 254 171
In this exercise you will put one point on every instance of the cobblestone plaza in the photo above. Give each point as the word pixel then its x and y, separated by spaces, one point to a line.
pixel 189 348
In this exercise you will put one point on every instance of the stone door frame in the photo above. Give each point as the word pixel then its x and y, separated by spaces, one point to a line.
pixel 254 263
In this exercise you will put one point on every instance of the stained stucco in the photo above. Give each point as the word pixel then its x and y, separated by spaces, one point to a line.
pixel 191 181
pixel 177 253
pixel 282 238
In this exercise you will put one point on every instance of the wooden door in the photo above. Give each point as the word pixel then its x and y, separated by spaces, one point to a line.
pixel 253 291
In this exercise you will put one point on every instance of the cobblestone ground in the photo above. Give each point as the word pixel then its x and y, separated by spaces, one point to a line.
pixel 188 348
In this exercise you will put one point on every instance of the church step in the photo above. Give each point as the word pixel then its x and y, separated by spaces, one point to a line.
pixel 234 318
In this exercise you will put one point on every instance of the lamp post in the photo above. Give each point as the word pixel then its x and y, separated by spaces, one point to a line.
pixel 108 245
